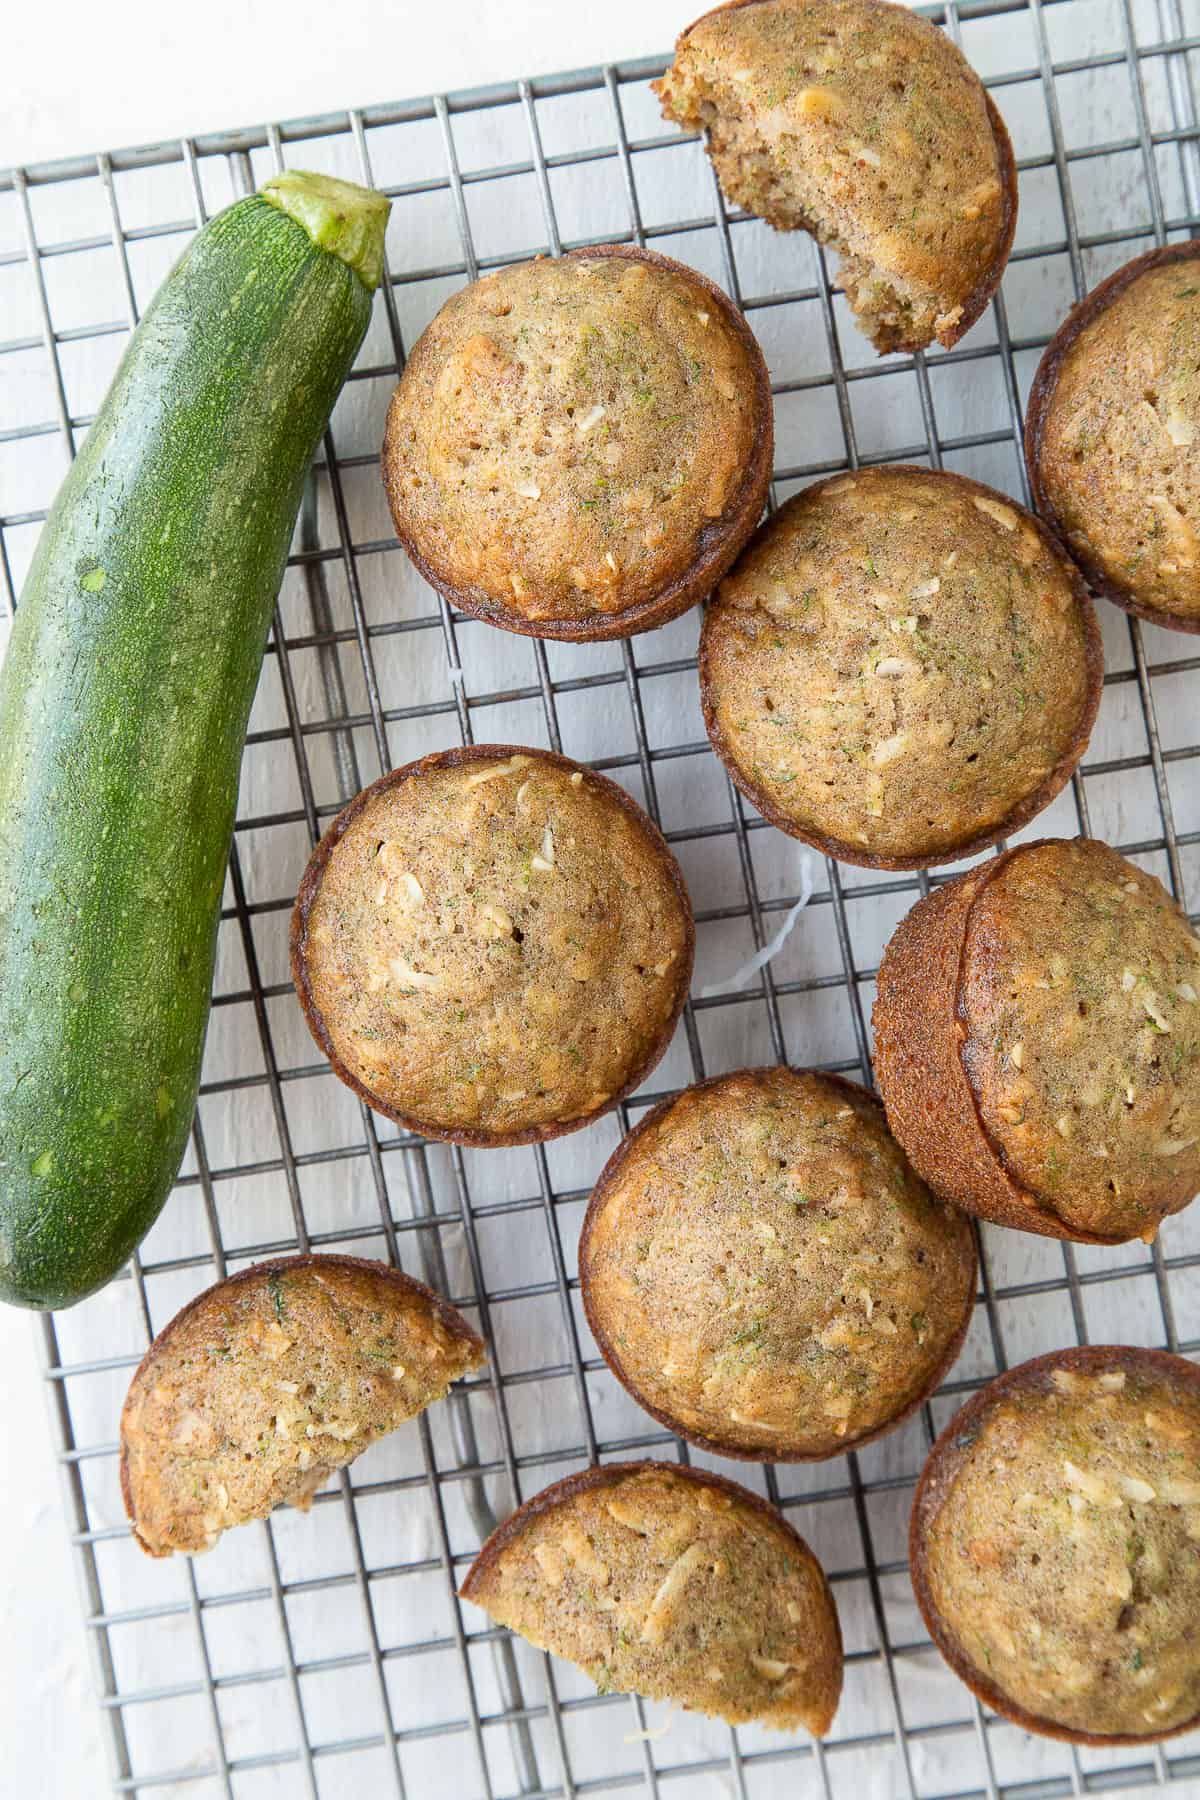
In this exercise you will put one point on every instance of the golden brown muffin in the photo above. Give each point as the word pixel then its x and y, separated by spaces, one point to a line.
pixel 673 1583
pixel 862 123
pixel 766 1275
pixel 492 945
pixel 1037 1043
pixel 901 668
pixel 1112 436
pixel 1055 1545
pixel 266 1383
pixel 579 446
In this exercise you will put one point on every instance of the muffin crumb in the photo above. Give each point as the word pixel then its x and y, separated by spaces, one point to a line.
pixel 765 1274
pixel 900 668
pixel 268 1382
pixel 1054 1545
pixel 861 123
pixel 578 446
pixel 672 1583
pixel 530 976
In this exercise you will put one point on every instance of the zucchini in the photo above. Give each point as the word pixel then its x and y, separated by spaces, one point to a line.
pixel 124 697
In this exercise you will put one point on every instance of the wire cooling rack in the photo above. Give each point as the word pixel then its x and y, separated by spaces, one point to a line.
pixel 327 1654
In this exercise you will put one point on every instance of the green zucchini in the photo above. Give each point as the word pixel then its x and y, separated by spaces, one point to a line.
pixel 124 697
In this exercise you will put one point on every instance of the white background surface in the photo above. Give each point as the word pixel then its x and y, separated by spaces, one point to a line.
pixel 86 77
pixel 79 79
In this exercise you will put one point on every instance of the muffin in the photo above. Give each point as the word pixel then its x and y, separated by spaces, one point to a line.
pixel 862 123
pixel 492 945
pixel 1112 436
pixel 901 668
pixel 266 1383
pixel 766 1275
pixel 1037 1043
pixel 673 1583
pixel 1054 1545
pixel 579 446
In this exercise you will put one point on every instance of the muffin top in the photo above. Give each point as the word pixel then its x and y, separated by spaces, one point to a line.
pixel 672 1583
pixel 1114 433
pixel 765 1272
pixel 492 944
pixel 1078 992
pixel 269 1381
pixel 1055 1539
pixel 862 122
pixel 900 667
pixel 572 436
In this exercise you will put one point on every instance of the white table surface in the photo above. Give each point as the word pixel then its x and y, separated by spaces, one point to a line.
pixel 82 77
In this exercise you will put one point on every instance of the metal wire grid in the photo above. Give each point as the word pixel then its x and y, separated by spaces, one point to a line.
pixel 534 1708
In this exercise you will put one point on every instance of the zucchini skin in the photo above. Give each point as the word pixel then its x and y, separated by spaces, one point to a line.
pixel 124 699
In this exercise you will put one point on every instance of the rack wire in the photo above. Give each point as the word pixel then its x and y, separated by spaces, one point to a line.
pixel 330 1655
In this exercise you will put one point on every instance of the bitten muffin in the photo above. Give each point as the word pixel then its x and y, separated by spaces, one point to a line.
pixel 766 1275
pixel 492 945
pixel 672 1583
pixel 579 446
pixel 1112 436
pixel 1037 1043
pixel 901 668
pixel 863 124
pixel 1055 1545
pixel 266 1383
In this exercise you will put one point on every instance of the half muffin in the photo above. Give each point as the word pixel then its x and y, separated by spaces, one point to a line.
pixel 579 446
pixel 492 945
pixel 862 123
pixel 672 1583
pixel 901 668
pixel 765 1274
pixel 1112 435
pixel 268 1382
pixel 1055 1545
pixel 1037 1043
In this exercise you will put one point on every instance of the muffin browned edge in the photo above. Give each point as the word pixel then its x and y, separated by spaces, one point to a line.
pixel 1026 809
pixel 608 1475
pixel 1041 398
pixel 975 302
pixel 310 885
pixel 720 539
pixel 744 1452
pixel 448 1315
pixel 931 1103
pixel 942 1465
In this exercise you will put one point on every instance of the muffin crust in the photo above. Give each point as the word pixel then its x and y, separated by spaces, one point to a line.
pixel 901 667
pixel 1037 1043
pixel 766 1275
pixel 672 1583
pixel 492 945
pixel 1112 436
pixel 1054 1545
pixel 860 122
pixel 579 446
pixel 266 1383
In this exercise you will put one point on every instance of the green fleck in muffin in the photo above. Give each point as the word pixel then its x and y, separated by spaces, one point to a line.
pixel 901 668
pixel 1112 436
pixel 1037 1043
pixel 579 446
pixel 492 945
pixel 266 1383
pixel 766 1275
pixel 862 123
pixel 672 1583
pixel 1055 1545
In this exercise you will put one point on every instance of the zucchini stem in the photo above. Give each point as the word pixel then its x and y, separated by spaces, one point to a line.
pixel 346 220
